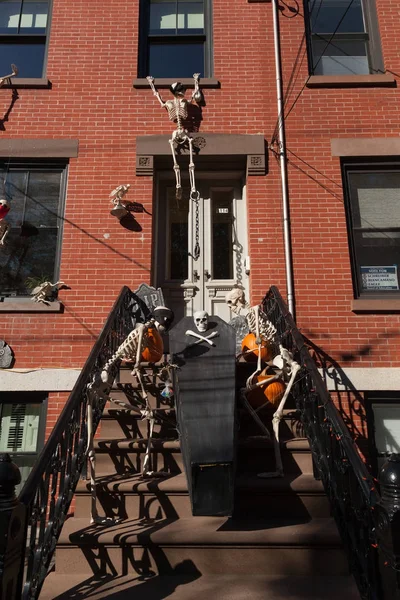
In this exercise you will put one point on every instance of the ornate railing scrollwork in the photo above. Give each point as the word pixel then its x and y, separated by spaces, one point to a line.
pixel 45 498
pixel 363 518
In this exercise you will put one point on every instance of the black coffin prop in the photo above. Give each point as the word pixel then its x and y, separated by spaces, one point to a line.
pixel 204 386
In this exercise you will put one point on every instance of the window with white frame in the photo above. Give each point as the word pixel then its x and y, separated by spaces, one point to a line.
pixel 23 36
pixel 31 254
pixel 373 210
pixel 22 418
pixel 175 38
pixel 343 37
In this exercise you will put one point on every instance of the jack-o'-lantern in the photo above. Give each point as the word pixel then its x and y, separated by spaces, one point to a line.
pixel 250 349
pixel 273 392
pixel 153 346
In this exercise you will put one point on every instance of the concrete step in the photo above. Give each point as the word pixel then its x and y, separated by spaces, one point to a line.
pixel 214 545
pixel 195 586
pixel 255 455
pixel 125 456
pixel 118 423
pixel 137 498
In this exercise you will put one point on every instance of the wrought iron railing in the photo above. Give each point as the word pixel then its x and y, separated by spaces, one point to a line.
pixel 363 519
pixel 46 496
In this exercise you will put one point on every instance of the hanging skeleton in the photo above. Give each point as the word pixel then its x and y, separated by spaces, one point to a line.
pixel 4 227
pixel 178 113
pixel 287 367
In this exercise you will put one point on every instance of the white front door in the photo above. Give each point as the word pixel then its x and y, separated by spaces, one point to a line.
pixel 218 227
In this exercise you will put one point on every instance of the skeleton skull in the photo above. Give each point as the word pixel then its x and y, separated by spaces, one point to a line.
pixel 201 320
pixel 235 300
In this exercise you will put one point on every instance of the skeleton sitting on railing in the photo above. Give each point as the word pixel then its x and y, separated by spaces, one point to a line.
pixel 288 368
pixel 178 112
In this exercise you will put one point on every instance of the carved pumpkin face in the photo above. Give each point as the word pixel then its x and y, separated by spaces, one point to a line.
pixel 153 346
pixel 250 349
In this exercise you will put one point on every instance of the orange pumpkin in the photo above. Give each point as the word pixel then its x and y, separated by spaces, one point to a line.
pixel 153 346
pixel 273 392
pixel 250 349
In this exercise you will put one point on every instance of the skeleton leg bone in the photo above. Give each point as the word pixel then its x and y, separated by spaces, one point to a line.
pixel 176 169
pixel 276 420
pixel 191 166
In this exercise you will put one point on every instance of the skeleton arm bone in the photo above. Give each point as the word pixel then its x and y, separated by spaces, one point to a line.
pixel 196 85
pixel 155 92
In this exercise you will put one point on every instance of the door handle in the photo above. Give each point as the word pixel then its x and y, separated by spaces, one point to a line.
pixel 207 274
pixel 196 276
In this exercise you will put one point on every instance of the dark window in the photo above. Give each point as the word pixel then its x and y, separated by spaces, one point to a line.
pixel 22 422
pixel 176 38
pixel 30 255
pixel 343 37
pixel 373 208
pixel 23 36
pixel 383 418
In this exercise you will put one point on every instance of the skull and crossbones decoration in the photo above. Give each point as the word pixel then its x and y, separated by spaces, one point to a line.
pixel 4 227
pixel 178 113
pixel 201 322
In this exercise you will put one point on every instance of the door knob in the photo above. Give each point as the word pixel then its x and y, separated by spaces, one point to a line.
pixel 196 276
pixel 207 274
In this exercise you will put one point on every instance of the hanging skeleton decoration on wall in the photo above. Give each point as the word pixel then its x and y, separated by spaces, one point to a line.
pixel 6 78
pixel 117 199
pixel 4 227
pixel 286 369
pixel 178 113
pixel 45 291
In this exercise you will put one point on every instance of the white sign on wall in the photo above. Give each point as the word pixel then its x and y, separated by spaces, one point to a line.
pixel 379 278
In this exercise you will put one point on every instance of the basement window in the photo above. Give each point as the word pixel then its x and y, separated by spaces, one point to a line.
pixel 373 211
pixel 175 38
pixel 343 37
pixel 22 420
pixel 31 254
pixel 23 36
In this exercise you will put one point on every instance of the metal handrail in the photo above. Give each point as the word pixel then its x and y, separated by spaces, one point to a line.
pixel 350 487
pixel 49 489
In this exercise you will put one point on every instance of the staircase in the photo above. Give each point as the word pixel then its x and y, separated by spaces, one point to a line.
pixel 281 542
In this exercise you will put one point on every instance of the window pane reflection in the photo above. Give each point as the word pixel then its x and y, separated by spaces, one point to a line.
pixel 327 14
pixel 340 57
pixel 176 60
pixel 28 57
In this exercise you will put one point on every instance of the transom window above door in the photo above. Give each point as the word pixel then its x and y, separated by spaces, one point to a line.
pixel 175 38
pixel 343 37
pixel 23 36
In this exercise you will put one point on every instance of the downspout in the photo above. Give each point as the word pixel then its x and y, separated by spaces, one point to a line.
pixel 283 162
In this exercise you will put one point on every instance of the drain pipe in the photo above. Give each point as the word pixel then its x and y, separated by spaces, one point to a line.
pixel 283 161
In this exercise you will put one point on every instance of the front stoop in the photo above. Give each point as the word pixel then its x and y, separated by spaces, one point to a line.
pixel 196 586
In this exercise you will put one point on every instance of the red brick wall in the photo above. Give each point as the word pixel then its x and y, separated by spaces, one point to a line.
pixel 92 62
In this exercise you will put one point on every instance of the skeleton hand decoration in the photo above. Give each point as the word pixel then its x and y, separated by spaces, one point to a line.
pixel 4 227
pixel 8 77
pixel 178 113
pixel 117 198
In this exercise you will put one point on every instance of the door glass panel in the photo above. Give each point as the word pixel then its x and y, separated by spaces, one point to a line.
pixel 221 228
pixel 178 211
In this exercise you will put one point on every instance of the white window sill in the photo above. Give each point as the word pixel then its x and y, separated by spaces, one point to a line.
pixel 27 305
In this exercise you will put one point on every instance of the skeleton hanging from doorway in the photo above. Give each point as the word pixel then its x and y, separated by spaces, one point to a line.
pixel 178 113
pixel 4 227
pixel 287 368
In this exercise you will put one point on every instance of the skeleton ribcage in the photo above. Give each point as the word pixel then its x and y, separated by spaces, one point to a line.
pixel 266 328
pixel 177 110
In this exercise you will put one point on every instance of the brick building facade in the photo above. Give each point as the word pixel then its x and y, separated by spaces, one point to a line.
pixel 80 111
